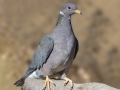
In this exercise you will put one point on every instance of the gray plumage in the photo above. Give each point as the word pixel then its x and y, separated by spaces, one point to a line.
pixel 56 51
pixel 43 51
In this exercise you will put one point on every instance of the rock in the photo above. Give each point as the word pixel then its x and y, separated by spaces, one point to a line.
pixel 37 84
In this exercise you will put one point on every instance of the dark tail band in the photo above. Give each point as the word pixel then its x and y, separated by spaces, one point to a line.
pixel 20 82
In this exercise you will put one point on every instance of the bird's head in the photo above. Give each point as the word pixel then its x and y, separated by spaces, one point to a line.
pixel 69 9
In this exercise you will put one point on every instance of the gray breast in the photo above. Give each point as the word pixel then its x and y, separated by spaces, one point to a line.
pixel 62 50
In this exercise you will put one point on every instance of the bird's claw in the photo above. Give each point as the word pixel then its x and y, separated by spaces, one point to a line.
pixel 71 83
pixel 47 83
pixel 71 88
pixel 44 88
pixel 66 83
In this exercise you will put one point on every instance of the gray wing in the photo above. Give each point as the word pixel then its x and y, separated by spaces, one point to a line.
pixel 76 48
pixel 43 52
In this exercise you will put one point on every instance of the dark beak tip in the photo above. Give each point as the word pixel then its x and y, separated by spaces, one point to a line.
pixel 81 13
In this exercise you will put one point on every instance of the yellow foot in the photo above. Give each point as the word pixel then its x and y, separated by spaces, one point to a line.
pixel 47 83
pixel 68 80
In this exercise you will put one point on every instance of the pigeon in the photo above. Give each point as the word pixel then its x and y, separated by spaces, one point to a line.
pixel 56 51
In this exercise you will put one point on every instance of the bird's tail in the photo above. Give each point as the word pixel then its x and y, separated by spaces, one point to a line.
pixel 20 82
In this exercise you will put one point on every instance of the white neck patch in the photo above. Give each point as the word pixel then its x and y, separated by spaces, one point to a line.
pixel 61 13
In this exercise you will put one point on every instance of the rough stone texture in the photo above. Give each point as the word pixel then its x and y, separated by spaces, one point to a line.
pixel 36 84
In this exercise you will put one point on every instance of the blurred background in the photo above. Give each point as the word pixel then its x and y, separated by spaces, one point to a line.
pixel 24 22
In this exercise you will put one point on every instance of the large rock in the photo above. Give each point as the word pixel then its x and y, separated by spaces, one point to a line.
pixel 36 84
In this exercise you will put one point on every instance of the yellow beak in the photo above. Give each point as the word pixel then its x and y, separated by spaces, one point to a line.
pixel 78 12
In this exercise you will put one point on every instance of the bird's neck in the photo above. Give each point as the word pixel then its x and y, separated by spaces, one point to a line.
pixel 63 18
pixel 63 26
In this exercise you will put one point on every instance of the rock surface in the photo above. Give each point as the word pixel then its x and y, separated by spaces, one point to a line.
pixel 36 84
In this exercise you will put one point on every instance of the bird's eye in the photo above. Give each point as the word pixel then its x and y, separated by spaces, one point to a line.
pixel 69 8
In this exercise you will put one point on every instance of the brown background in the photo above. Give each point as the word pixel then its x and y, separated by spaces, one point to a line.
pixel 24 22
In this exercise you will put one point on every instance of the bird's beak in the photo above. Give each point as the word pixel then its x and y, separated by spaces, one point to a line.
pixel 78 12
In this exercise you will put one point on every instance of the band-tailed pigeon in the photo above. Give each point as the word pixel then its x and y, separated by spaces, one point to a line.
pixel 56 51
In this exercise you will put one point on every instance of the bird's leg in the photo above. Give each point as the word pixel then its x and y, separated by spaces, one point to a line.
pixel 47 83
pixel 68 80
